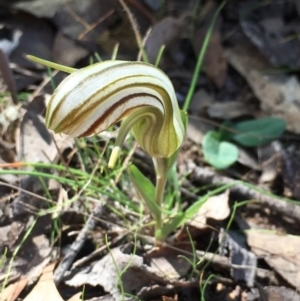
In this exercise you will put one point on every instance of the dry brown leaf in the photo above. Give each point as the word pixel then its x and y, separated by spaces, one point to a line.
pixel 163 33
pixel 12 291
pixel 35 143
pixel 216 207
pixel 214 64
pixel 200 102
pixel 10 234
pixel 167 263
pixel 63 45
pixel 106 273
pixel 278 94
pixel 229 110
pixel 45 289
pixel 138 279
pixel 281 252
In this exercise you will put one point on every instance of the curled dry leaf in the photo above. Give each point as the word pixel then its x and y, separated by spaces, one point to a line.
pixel 106 273
pixel 216 207
pixel 137 278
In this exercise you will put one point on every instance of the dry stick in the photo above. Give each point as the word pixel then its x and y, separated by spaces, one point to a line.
pixel 80 262
pixel 39 88
pixel 142 9
pixel 8 76
pixel 206 176
pixel 25 191
pixel 135 29
pixel 92 26
pixel 180 283
pixel 145 39
pixel 78 243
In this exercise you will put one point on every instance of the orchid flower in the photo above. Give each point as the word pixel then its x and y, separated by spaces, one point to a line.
pixel 92 99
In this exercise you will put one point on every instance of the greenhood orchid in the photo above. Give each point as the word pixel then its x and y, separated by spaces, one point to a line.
pixel 92 99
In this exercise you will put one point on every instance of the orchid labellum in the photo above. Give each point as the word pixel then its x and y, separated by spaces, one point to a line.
pixel 92 99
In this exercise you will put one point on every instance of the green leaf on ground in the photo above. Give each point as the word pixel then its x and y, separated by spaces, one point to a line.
pixel 218 153
pixel 258 132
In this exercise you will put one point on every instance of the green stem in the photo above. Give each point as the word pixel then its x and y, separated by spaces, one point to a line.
pixel 200 59
pixel 161 180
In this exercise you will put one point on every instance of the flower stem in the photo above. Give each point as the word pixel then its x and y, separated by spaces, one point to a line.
pixel 161 180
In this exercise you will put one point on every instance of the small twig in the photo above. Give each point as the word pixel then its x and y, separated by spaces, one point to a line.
pixel 282 206
pixel 76 16
pixel 92 26
pixel 40 87
pixel 8 76
pixel 25 191
pixel 77 244
pixel 180 283
pixel 135 29
pixel 144 41
pixel 99 251
pixel 142 9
